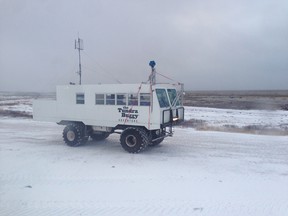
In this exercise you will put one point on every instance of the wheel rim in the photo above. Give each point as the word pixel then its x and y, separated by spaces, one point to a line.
pixel 131 141
pixel 70 136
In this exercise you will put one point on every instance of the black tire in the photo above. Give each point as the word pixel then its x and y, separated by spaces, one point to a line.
pixel 99 136
pixel 155 136
pixel 134 140
pixel 73 135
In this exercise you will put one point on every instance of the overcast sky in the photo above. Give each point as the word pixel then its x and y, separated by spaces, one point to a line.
pixel 207 44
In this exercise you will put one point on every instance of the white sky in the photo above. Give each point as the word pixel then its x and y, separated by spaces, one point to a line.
pixel 208 45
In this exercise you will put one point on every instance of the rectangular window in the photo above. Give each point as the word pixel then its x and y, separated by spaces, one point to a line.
pixel 162 98
pixel 110 99
pixel 133 99
pixel 80 98
pixel 174 100
pixel 144 99
pixel 99 99
pixel 121 99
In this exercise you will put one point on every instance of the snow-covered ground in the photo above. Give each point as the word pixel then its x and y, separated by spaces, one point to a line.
pixel 196 172
pixel 261 121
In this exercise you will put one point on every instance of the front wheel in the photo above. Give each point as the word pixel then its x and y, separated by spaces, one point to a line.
pixel 134 140
pixel 73 135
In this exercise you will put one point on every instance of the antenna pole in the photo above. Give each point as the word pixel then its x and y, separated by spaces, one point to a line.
pixel 79 47
pixel 80 72
pixel 152 76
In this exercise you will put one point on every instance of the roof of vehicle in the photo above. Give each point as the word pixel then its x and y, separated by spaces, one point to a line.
pixel 121 88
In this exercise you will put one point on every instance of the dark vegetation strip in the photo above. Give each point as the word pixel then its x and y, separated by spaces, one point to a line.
pixel 201 125
pixel 15 114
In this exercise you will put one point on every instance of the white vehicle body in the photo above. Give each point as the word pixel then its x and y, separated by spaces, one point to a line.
pixel 106 108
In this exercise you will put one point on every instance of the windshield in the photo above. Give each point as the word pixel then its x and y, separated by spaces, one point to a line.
pixel 173 97
pixel 162 98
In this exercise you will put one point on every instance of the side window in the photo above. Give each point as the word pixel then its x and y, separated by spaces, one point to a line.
pixel 121 99
pixel 110 99
pixel 99 99
pixel 144 99
pixel 162 98
pixel 133 99
pixel 80 98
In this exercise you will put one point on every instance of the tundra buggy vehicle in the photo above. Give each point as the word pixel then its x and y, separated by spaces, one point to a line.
pixel 143 114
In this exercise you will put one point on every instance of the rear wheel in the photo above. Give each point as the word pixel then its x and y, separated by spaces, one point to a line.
pixel 73 135
pixel 99 136
pixel 134 140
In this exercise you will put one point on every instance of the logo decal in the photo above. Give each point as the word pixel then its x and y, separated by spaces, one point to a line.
pixel 128 113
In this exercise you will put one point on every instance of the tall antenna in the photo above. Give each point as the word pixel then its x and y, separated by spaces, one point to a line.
pixel 79 46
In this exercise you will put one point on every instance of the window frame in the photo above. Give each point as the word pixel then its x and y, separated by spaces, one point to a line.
pixel 146 101
pixel 173 94
pixel 121 101
pixel 131 101
pixel 99 99
pixel 163 99
pixel 80 98
pixel 112 99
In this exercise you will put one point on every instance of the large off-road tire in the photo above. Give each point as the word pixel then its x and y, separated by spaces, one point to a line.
pixel 99 136
pixel 73 135
pixel 134 140
pixel 154 135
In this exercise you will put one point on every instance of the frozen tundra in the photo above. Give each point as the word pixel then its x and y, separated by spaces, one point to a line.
pixel 143 114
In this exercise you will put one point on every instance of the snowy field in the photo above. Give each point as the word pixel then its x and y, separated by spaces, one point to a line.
pixel 273 122
pixel 196 172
